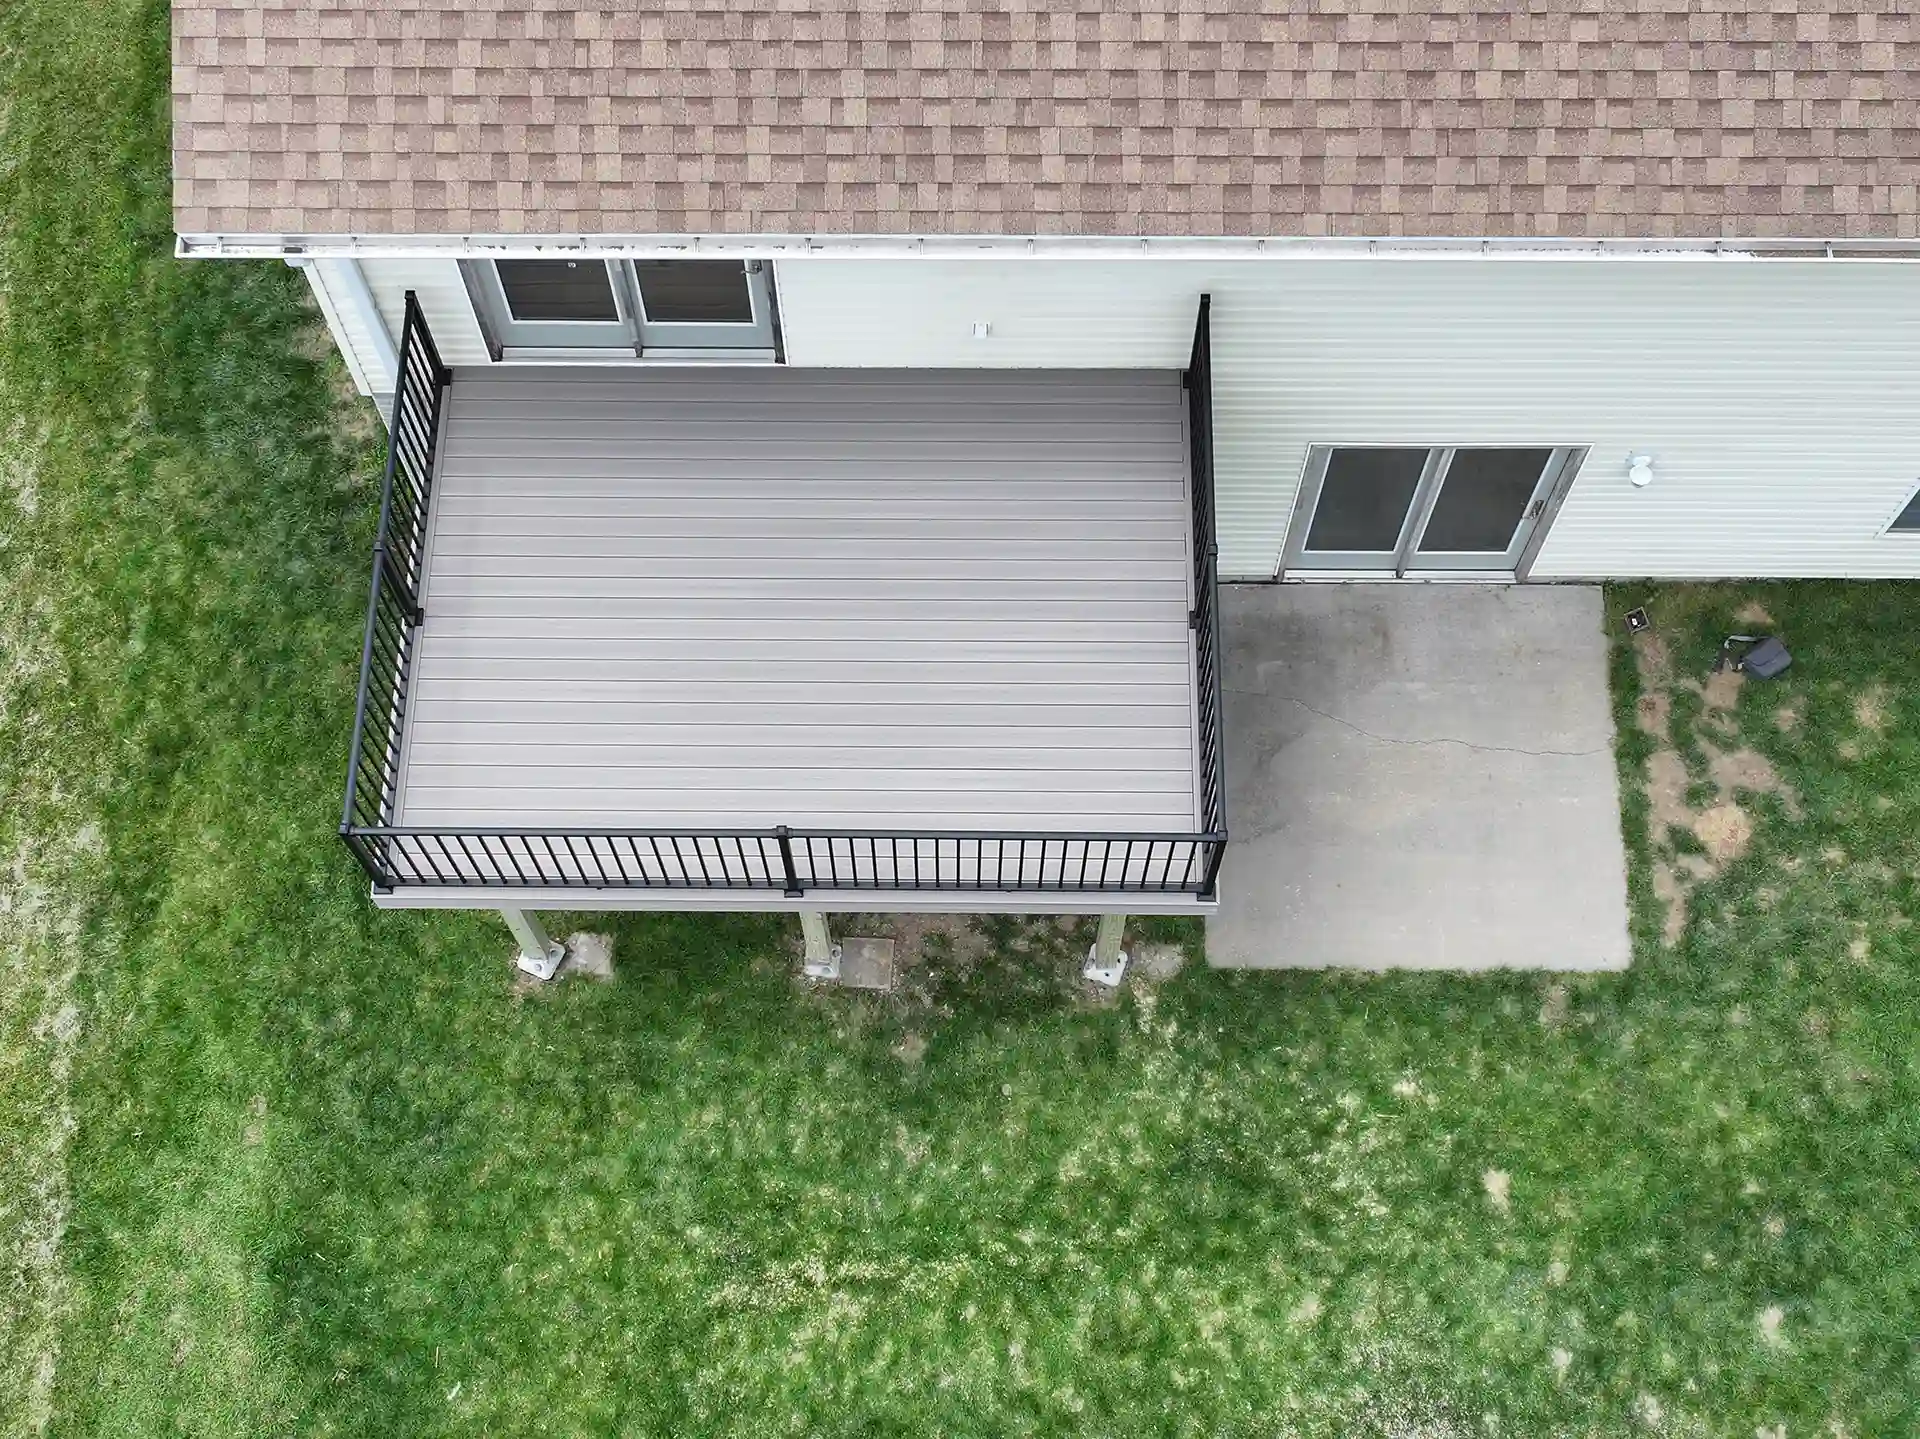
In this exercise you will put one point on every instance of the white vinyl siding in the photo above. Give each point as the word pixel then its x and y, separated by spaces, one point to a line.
pixel 443 300
pixel 1779 399
pixel 368 354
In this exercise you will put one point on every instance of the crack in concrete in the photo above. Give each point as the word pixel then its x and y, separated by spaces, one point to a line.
pixel 1444 739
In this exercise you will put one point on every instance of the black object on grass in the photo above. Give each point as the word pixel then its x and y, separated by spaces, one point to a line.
pixel 1765 657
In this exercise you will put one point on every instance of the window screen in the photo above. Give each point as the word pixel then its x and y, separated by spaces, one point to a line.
pixel 566 290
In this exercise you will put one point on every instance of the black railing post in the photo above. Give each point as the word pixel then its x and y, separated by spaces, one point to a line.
pixel 785 836
pixel 363 851
pixel 1216 852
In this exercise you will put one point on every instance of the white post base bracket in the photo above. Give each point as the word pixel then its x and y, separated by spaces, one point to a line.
pixel 822 954
pixel 539 956
pixel 1106 961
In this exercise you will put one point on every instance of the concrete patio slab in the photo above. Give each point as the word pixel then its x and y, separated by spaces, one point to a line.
pixel 1419 777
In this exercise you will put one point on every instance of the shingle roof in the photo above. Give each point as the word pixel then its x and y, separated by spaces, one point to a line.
pixel 1648 118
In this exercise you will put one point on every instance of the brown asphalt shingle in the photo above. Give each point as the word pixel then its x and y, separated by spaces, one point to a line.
pixel 1648 118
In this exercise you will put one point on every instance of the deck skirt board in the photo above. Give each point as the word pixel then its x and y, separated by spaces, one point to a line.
pixel 846 600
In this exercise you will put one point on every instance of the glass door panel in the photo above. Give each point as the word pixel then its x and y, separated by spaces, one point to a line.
pixel 558 290
pixel 1362 501
pixel 694 291
pixel 694 305
pixel 1484 510
pixel 556 304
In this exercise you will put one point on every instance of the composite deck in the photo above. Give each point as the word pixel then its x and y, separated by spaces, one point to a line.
pixel 874 600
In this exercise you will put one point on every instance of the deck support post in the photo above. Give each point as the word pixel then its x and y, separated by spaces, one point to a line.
pixel 1106 961
pixel 822 954
pixel 539 955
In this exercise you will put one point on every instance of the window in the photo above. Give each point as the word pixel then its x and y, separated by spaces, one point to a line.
pixel 558 290
pixel 694 292
pixel 1908 520
pixel 1364 500
pixel 1483 500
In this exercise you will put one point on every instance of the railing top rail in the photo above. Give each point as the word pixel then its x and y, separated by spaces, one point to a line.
pixel 975 836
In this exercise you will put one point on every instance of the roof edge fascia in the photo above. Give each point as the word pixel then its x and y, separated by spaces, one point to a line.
pixel 1041 247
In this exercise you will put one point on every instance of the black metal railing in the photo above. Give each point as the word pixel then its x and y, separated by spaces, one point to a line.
pixel 1210 749
pixel 787 861
pixel 393 604
pixel 783 860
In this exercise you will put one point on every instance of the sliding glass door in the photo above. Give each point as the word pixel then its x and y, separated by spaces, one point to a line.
pixel 665 309
pixel 1398 510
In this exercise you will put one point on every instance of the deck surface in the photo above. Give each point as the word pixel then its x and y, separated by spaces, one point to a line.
pixel 842 599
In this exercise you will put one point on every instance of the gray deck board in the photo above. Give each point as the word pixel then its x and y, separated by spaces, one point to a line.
pixel 743 598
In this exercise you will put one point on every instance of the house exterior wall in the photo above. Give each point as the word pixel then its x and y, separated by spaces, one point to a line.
pixel 443 300
pixel 1779 399
pixel 332 283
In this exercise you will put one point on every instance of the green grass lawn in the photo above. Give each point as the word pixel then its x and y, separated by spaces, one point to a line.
pixel 274 1163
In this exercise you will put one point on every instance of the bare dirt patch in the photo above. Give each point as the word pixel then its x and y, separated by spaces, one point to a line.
pixel 1721 827
pixel 1157 962
pixel 1671 891
pixel 1753 613
pixel 1498 1185
pixel 1748 771
pixel 1654 713
pixel 1787 718
pixel 1769 1321
pixel 1724 832
pixel 1651 657
pixel 938 959
pixel 911 1049
pixel 1667 784
pixel 1720 699
pixel 1870 709
pixel 928 951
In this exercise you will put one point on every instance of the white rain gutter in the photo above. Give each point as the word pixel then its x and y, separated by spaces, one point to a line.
pixel 1043 247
